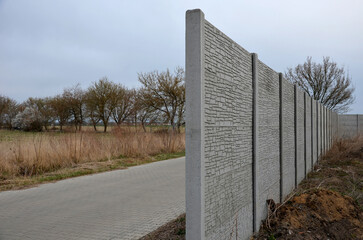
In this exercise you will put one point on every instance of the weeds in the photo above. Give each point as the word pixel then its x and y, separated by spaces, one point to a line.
pixel 48 152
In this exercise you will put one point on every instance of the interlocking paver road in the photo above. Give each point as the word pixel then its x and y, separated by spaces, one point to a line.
pixel 122 204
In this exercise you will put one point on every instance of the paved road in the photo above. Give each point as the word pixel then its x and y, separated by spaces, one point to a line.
pixel 122 204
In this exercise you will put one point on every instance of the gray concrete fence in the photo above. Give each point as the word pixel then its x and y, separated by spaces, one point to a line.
pixel 350 125
pixel 251 135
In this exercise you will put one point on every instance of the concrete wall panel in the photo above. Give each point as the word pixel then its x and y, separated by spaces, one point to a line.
pixel 288 136
pixel 314 131
pixel 300 133
pixel 347 125
pixel 308 163
pixel 360 124
pixel 268 147
pixel 228 135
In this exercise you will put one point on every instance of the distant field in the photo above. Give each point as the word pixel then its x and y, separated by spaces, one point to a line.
pixel 31 155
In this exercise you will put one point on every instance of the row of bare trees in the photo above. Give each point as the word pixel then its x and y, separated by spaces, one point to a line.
pixel 161 100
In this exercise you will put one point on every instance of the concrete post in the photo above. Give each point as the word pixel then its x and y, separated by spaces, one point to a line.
pixel 295 126
pixel 322 129
pixel 255 158
pixel 305 147
pixel 317 130
pixel 324 126
pixel 194 164
pixel 357 124
pixel 281 141
pixel 312 133
pixel 326 130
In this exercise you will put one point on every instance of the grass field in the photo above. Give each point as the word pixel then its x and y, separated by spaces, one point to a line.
pixel 31 158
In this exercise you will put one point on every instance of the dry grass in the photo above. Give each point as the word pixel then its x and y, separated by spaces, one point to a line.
pixel 46 152
pixel 340 169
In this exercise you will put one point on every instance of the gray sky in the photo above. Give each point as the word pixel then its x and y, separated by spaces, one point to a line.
pixel 46 46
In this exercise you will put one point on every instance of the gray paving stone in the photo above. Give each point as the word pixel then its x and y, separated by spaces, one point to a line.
pixel 122 204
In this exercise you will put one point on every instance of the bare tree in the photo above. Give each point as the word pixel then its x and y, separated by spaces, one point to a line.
pixel 101 100
pixel 325 82
pixel 42 106
pixel 165 92
pixel 61 110
pixel 8 111
pixel 92 113
pixel 75 101
pixel 123 104
pixel 142 111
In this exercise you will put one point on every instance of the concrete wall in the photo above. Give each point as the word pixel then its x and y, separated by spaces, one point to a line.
pixel 308 132
pixel 300 136
pixel 349 125
pixel 287 140
pixel 314 139
pixel 268 173
pixel 250 135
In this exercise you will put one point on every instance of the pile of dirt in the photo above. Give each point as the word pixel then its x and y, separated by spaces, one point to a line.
pixel 316 214
pixel 340 170
pixel 326 205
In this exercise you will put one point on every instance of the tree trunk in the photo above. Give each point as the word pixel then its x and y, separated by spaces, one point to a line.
pixel 143 126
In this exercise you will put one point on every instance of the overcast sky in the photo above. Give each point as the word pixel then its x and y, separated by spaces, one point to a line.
pixel 46 46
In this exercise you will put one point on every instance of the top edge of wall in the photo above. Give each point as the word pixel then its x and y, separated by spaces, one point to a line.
pixel 197 10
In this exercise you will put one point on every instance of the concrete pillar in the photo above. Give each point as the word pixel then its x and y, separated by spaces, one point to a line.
pixel 305 142
pixel 281 141
pixel 317 130
pixel 194 164
pixel 255 158
pixel 357 124
pixel 295 126
pixel 312 133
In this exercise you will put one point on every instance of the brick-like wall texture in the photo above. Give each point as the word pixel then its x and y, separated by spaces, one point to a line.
pixel 314 132
pixel 288 138
pixel 319 128
pixel 349 125
pixel 250 135
pixel 300 139
pixel 307 134
pixel 228 134
pixel 268 175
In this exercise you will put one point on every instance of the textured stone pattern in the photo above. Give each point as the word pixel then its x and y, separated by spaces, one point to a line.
pixel 268 135
pixel 308 133
pixel 288 136
pixel 347 125
pixel 314 132
pixel 319 129
pixel 300 157
pixel 360 124
pixel 326 129
pixel 350 125
pixel 228 136
pixel 335 125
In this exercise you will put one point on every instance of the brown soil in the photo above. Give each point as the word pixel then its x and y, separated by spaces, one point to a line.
pixel 174 230
pixel 316 214
pixel 327 205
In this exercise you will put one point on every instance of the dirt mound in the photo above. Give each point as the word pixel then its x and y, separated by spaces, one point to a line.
pixel 318 214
